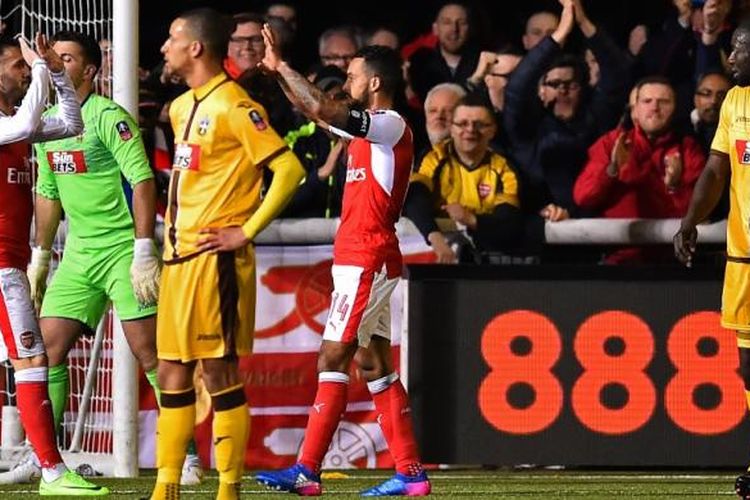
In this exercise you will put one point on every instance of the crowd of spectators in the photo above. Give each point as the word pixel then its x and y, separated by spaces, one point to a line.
pixel 511 137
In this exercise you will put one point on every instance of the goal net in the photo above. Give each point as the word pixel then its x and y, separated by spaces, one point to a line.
pixel 89 433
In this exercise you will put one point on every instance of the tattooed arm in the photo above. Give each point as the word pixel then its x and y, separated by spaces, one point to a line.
pixel 303 94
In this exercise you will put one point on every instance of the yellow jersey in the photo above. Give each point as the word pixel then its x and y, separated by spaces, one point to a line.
pixel 733 138
pixel 222 141
pixel 480 189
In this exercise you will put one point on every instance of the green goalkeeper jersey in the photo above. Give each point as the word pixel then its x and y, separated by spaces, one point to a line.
pixel 84 173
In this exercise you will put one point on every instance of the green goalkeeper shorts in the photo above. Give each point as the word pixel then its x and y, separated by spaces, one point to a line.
pixel 86 280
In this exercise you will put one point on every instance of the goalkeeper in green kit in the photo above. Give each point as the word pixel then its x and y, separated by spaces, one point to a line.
pixel 109 254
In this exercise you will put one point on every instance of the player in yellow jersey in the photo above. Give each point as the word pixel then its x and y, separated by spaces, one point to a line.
pixel 207 293
pixel 729 158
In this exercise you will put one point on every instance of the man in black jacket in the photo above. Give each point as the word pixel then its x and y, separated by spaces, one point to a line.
pixel 454 58
pixel 551 116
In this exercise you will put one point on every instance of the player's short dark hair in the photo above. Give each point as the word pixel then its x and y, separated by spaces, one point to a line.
pixel 8 42
pixel 386 64
pixel 211 28
pixel 90 47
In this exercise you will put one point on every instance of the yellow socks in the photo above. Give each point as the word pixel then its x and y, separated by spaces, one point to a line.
pixel 174 430
pixel 166 491
pixel 228 491
pixel 231 428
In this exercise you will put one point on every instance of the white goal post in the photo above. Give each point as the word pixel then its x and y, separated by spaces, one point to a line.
pixel 101 422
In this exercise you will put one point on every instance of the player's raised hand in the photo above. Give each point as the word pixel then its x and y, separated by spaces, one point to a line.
pixel 26 51
pixel 222 239
pixel 272 57
pixel 53 60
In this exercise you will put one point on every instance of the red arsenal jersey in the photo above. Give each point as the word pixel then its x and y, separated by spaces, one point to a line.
pixel 379 162
pixel 16 206
pixel 16 132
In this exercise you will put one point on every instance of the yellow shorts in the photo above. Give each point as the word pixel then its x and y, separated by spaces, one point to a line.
pixel 207 306
pixel 735 299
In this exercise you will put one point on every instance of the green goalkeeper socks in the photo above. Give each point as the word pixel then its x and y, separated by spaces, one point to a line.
pixel 58 387
pixel 152 379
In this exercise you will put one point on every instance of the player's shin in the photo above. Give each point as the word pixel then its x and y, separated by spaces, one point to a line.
pixel 326 411
pixel 174 430
pixel 231 428
pixel 382 400
pixel 392 402
pixel 59 388
pixel 36 414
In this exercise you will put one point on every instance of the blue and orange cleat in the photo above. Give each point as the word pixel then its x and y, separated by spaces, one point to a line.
pixel 296 479
pixel 402 485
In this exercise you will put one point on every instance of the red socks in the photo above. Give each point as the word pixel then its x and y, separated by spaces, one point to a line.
pixel 325 414
pixel 36 414
pixel 394 417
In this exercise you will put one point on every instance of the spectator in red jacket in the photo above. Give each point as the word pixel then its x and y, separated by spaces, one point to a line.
pixel 647 171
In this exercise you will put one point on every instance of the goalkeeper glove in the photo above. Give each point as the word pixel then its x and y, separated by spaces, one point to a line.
pixel 145 272
pixel 37 272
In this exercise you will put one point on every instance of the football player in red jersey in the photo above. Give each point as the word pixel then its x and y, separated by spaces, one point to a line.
pixel 23 71
pixel 366 266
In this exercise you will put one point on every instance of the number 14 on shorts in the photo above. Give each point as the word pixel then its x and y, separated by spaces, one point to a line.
pixel 340 304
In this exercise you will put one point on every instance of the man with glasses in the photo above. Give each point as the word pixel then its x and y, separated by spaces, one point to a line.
pixel 709 95
pixel 246 48
pixel 551 116
pixel 463 179
pixel 244 51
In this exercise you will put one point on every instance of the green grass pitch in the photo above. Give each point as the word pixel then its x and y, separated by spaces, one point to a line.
pixel 468 484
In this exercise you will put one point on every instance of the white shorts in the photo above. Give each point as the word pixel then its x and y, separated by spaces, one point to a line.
pixel 18 325
pixel 360 305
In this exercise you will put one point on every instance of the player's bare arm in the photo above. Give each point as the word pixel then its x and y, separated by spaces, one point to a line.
pixel 706 195
pixel 303 94
pixel 28 122
pixel 144 208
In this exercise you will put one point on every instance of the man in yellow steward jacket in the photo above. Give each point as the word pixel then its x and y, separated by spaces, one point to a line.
pixel 207 293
